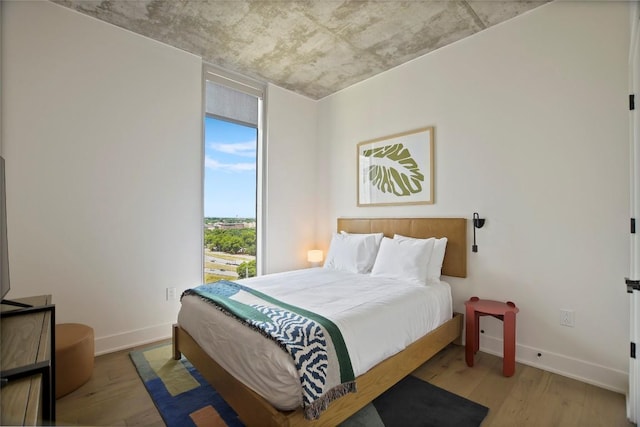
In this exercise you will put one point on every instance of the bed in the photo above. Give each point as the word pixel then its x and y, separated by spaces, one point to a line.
pixel 371 381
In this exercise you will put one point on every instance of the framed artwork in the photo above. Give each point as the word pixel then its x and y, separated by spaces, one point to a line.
pixel 396 169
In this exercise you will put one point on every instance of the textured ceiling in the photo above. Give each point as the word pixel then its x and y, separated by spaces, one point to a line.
pixel 313 47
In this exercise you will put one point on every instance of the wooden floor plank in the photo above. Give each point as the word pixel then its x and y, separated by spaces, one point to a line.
pixel 113 396
pixel 522 405
pixel 116 396
pixel 602 407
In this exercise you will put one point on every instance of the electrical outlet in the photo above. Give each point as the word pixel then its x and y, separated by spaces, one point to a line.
pixel 172 294
pixel 567 318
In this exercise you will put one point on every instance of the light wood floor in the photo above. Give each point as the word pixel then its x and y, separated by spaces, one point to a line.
pixel 115 394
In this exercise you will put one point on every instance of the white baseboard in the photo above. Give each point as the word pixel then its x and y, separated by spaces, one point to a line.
pixel 590 373
pixel 116 342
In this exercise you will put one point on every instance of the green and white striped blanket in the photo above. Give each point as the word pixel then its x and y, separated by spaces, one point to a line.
pixel 314 342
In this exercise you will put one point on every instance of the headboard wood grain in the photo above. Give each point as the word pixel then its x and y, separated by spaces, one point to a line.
pixel 454 229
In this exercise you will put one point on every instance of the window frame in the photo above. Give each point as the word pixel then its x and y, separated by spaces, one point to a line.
pixel 258 89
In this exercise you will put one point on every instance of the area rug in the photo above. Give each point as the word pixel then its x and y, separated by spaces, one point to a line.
pixel 184 398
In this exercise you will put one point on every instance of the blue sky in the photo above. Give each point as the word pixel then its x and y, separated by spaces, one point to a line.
pixel 229 169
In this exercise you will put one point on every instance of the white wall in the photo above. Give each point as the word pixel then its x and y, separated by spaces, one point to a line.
pixel 531 131
pixel 102 139
pixel 291 186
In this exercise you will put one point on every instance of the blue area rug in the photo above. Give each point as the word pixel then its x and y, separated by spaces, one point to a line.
pixel 184 398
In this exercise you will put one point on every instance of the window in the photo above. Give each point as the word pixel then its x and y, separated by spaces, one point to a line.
pixel 231 190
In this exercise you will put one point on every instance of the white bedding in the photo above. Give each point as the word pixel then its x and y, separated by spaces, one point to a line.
pixel 378 317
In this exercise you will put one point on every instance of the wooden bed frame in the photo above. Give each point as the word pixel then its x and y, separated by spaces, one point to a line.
pixel 256 411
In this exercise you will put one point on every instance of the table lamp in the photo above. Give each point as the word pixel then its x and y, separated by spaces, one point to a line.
pixel 314 256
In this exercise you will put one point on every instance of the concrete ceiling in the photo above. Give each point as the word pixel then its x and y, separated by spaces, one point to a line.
pixel 312 47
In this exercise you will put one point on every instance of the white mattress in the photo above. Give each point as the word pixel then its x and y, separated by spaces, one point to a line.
pixel 378 317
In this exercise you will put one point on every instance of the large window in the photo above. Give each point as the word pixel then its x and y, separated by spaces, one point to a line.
pixel 232 146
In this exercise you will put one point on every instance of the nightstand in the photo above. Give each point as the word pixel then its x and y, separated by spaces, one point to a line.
pixel 505 311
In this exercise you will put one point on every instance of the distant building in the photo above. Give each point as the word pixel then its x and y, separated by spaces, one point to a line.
pixel 229 225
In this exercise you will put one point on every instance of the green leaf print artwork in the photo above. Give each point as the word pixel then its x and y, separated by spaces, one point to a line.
pixel 394 170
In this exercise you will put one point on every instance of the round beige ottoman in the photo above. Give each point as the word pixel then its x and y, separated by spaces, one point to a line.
pixel 74 356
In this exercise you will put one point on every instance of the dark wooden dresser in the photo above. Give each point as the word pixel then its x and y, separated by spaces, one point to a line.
pixel 27 396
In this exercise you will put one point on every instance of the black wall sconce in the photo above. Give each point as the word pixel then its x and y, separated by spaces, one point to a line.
pixel 477 223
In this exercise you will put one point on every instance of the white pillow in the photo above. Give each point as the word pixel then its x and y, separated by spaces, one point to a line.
pixel 353 252
pixel 378 236
pixel 403 259
pixel 434 268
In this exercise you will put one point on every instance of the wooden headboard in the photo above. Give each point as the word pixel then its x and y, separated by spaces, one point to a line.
pixel 454 229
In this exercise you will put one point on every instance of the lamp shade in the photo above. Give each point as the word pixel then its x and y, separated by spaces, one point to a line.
pixel 314 255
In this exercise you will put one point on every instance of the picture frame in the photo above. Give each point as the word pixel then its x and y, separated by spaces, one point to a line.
pixel 396 169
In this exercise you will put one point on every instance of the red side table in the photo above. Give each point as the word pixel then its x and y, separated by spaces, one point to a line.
pixel 506 312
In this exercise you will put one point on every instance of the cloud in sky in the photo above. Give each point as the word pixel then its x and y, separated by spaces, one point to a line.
pixel 226 151
pixel 230 167
pixel 244 149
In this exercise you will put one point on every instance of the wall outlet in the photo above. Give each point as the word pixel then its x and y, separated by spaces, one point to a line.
pixel 172 294
pixel 567 318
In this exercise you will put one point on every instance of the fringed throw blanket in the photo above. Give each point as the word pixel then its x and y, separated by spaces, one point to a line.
pixel 314 342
